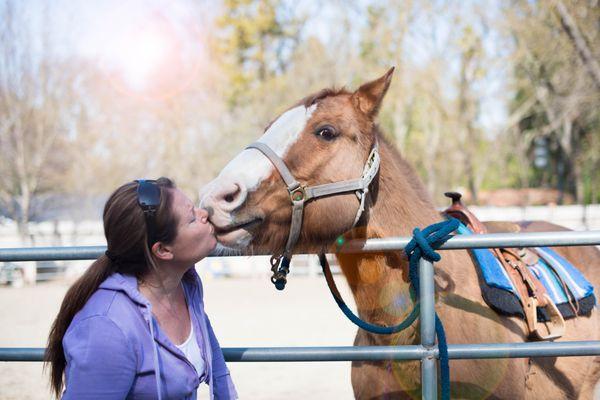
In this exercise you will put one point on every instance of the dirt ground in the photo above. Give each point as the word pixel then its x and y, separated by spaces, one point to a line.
pixel 245 312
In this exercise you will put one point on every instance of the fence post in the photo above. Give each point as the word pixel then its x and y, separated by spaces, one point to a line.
pixel 427 324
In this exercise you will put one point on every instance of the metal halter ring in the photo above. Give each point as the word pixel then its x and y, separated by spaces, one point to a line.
pixel 298 194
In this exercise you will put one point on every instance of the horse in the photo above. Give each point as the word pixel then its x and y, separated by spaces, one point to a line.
pixel 327 137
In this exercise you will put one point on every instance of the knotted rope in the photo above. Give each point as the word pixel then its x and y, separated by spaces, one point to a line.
pixel 423 245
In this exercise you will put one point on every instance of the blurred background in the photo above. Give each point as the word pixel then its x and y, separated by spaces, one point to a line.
pixel 497 99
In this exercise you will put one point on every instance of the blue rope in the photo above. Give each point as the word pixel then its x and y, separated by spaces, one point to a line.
pixel 378 329
pixel 443 354
pixel 423 245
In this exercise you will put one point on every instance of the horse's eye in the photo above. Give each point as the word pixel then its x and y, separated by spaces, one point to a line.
pixel 326 132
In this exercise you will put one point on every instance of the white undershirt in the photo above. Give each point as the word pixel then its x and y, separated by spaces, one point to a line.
pixel 192 352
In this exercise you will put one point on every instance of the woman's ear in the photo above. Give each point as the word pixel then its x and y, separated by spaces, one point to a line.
pixel 368 97
pixel 162 252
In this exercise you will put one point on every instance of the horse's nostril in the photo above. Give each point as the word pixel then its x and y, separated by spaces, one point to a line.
pixel 230 196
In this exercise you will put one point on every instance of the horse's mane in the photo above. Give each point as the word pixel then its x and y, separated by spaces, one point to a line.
pixel 405 170
pixel 320 95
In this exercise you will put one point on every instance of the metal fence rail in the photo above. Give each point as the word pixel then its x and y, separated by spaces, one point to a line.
pixel 370 353
pixel 427 351
pixel 526 239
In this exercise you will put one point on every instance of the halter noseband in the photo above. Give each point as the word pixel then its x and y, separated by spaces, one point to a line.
pixel 300 194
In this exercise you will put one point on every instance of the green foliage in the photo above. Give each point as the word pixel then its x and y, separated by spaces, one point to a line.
pixel 265 55
pixel 560 126
pixel 256 40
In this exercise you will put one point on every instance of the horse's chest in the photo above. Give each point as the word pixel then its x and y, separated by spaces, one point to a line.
pixel 381 379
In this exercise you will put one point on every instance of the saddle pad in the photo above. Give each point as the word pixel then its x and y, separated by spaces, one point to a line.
pixel 500 294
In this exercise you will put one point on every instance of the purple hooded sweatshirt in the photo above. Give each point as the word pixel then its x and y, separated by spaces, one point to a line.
pixel 114 347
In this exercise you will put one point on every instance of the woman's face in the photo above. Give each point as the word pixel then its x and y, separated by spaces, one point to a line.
pixel 195 237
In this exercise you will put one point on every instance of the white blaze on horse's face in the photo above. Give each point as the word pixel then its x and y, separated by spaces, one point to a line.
pixel 244 174
pixel 251 167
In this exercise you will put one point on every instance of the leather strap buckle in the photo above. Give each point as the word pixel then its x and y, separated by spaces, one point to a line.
pixel 518 266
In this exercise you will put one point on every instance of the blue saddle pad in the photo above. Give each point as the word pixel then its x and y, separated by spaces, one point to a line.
pixel 499 292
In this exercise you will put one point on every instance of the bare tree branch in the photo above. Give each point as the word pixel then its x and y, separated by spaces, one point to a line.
pixel 570 27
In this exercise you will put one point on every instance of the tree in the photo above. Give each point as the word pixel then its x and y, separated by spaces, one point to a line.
pixel 258 38
pixel 554 64
pixel 37 101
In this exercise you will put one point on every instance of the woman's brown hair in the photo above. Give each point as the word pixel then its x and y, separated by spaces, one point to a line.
pixel 127 253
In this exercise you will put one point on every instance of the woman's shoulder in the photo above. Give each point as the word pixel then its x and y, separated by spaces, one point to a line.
pixel 94 341
pixel 116 300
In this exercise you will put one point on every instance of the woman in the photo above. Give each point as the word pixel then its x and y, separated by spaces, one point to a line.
pixel 133 326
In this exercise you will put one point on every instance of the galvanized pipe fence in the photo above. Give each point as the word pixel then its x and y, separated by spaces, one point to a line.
pixel 427 351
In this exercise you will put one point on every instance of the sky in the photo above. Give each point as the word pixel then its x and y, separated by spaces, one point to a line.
pixel 428 39
pixel 137 41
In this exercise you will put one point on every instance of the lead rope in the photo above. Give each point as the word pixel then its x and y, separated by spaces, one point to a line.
pixel 378 329
pixel 423 245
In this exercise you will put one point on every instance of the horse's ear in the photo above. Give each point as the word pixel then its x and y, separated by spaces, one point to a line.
pixel 368 97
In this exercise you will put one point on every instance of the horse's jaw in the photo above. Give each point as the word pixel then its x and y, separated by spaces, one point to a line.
pixel 238 239
pixel 237 234
pixel 234 231
pixel 242 242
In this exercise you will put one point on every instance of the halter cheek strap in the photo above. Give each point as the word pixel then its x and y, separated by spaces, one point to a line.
pixel 299 195
pixel 369 172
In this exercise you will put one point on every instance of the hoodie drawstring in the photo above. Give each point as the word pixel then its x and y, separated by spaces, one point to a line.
pixel 156 364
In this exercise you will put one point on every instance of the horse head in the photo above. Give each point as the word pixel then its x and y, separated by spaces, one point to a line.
pixel 325 138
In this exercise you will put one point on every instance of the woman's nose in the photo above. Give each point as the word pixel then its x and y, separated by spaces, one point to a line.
pixel 202 214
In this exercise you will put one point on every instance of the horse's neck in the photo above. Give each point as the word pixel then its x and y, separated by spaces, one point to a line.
pixel 400 201
pixel 379 282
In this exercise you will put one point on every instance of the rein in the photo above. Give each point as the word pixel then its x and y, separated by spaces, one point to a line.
pixel 300 195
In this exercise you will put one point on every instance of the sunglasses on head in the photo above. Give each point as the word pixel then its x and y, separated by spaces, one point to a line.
pixel 148 194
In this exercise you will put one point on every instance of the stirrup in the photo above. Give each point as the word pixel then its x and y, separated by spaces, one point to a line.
pixel 555 328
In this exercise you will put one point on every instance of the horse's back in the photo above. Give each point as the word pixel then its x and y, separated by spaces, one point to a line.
pixel 587 260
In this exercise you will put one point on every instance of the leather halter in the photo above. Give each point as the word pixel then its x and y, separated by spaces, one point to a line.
pixel 300 194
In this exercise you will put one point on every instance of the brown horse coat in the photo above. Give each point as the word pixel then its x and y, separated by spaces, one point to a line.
pixel 326 138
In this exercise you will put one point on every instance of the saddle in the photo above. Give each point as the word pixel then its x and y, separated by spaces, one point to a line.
pixel 542 315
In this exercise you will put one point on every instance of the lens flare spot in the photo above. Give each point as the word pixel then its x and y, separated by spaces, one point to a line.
pixel 147 52
pixel 140 55
pixel 395 299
